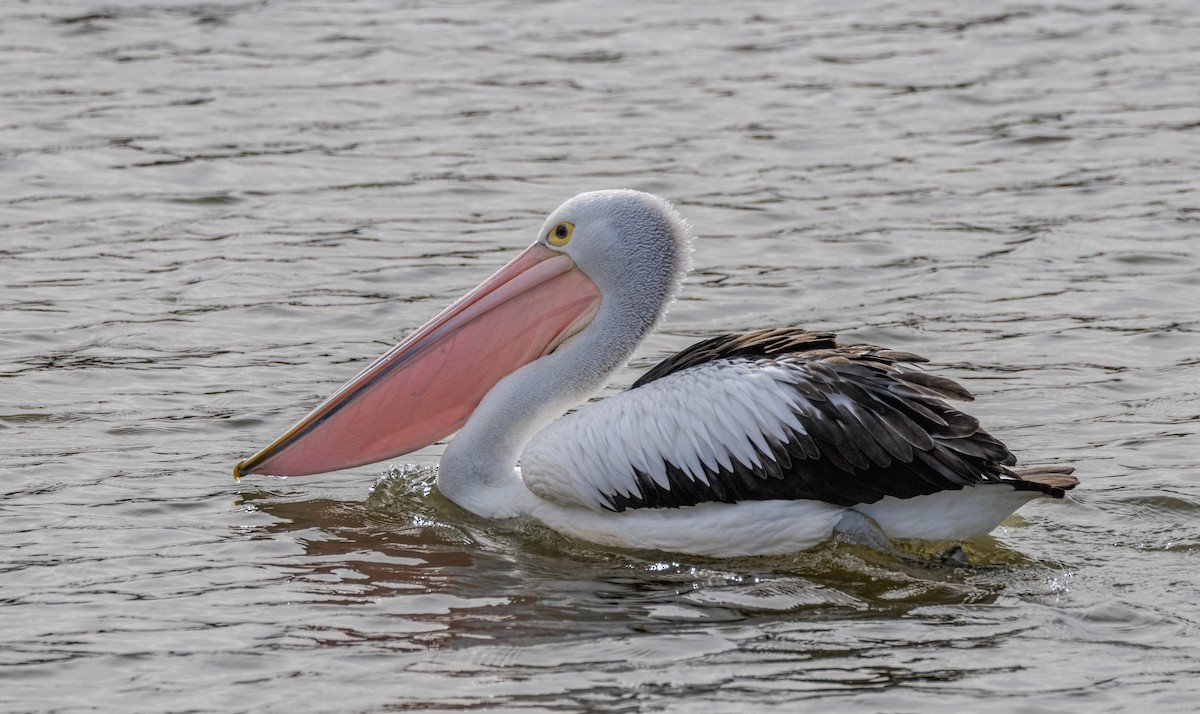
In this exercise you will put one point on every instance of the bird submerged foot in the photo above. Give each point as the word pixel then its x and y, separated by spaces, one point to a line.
pixel 860 529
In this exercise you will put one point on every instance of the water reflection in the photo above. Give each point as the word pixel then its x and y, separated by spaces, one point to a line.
pixel 453 579
pixel 353 555
pixel 547 621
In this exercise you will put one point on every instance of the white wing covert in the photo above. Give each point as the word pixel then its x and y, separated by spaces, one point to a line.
pixel 699 421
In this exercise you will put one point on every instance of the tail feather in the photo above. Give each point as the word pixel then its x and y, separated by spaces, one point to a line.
pixel 1052 480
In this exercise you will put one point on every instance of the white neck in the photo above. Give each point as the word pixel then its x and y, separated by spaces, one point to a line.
pixel 478 469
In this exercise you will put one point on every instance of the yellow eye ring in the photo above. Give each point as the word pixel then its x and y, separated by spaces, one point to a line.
pixel 560 235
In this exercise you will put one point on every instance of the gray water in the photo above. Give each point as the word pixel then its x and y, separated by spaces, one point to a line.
pixel 212 214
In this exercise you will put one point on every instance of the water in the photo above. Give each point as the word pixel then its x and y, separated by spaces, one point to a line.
pixel 212 214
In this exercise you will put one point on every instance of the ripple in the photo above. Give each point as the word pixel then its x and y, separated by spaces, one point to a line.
pixel 212 214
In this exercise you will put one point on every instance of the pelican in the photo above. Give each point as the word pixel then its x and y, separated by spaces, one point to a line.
pixel 757 443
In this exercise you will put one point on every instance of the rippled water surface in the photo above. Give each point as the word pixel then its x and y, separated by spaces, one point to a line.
pixel 212 214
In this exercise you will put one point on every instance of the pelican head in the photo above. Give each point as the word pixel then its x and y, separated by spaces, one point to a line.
pixel 627 242
pixel 599 276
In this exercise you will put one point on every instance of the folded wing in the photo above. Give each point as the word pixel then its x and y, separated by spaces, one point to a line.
pixel 771 414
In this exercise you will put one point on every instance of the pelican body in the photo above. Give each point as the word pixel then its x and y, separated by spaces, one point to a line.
pixel 756 443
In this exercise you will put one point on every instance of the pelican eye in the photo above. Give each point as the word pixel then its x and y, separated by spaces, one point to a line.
pixel 560 234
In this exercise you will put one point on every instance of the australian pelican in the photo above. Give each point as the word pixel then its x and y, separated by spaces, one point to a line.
pixel 762 442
